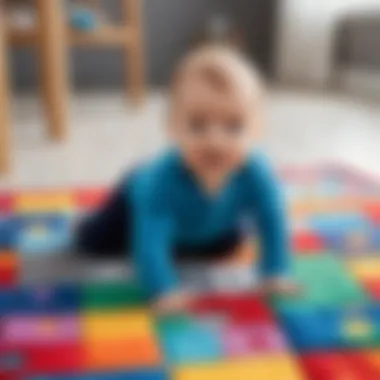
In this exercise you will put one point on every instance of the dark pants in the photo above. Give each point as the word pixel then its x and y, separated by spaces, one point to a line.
pixel 106 234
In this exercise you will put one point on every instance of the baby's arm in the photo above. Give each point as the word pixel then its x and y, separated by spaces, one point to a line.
pixel 152 256
pixel 152 251
pixel 270 216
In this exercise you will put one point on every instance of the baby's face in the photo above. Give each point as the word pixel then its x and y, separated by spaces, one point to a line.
pixel 214 129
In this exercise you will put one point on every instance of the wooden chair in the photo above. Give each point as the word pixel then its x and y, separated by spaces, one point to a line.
pixel 52 39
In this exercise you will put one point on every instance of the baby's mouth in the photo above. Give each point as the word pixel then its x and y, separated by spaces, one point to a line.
pixel 213 159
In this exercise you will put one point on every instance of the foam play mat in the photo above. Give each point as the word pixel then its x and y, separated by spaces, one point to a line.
pixel 94 328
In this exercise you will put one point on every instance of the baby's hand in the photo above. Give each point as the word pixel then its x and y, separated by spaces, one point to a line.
pixel 173 303
pixel 279 287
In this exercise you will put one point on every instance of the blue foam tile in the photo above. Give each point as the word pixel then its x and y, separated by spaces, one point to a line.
pixel 338 222
pixel 8 231
pixel 311 329
pixel 139 374
pixel 39 234
pixel 191 342
pixel 40 299
pixel 374 238
pixel 350 243
pixel 360 327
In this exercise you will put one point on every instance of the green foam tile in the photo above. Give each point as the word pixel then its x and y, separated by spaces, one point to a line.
pixel 112 295
pixel 324 281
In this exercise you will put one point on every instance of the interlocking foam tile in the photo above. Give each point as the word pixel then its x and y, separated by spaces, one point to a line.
pixel 59 298
pixel 360 327
pixel 367 363
pixel 363 365
pixel 239 307
pixel 116 340
pixel 307 241
pixel 23 331
pixel 36 345
pixel 6 203
pixel 371 209
pixel 88 199
pixel 318 329
pixel 364 268
pixel 117 325
pixel 121 354
pixel 44 202
pixel 324 282
pixel 9 266
pixel 329 366
pixel 311 329
pixel 112 295
pixel 41 234
pixel 338 222
pixel 190 341
pixel 8 230
pixel 262 367
pixel 241 341
pixel 8 259
pixel 372 286
pixel 141 374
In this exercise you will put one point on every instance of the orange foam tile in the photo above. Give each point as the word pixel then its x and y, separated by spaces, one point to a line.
pixel 131 353
pixel 8 260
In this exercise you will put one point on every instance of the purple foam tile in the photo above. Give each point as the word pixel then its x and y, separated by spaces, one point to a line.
pixel 40 330
pixel 241 341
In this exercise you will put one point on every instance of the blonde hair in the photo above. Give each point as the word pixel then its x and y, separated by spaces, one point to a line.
pixel 222 68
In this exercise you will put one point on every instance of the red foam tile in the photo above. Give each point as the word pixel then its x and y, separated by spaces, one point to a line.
pixel 372 210
pixel 53 359
pixel 6 203
pixel 306 242
pixel 89 198
pixel 373 288
pixel 8 277
pixel 329 366
pixel 363 365
pixel 240 308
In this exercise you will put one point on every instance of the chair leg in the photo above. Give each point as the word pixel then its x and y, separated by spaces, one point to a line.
pixel 53 49
pixel 5 144
pixel 134 53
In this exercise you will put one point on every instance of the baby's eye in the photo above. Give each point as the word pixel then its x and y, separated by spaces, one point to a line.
pixel 197 124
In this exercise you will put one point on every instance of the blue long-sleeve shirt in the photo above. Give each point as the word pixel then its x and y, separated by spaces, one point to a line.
pixel 169 205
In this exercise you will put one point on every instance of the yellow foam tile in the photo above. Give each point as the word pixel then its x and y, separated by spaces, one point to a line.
pixel 114 326
pixel 8 260
pixel 364 268
pixel 44 201
pixel 264 367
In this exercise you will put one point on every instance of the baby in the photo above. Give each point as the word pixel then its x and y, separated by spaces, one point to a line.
pixel 191 199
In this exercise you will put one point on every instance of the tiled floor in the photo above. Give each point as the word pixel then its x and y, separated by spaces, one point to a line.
pixel 108 136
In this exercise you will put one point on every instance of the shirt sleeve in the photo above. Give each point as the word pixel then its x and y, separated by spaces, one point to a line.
pixel 152 246
pixel 269 213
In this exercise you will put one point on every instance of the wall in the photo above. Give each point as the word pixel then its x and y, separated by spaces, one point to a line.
pixel 169 26
pixel 306 38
